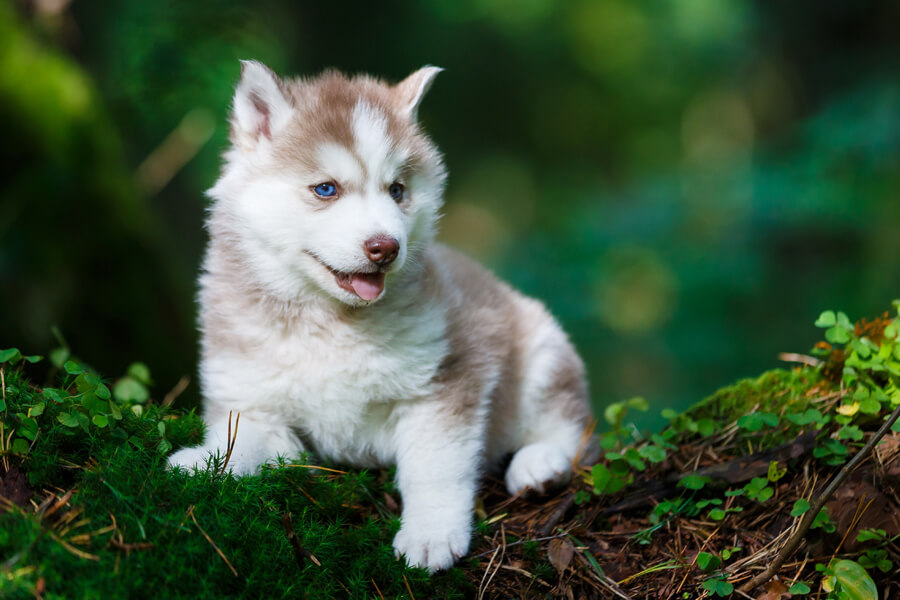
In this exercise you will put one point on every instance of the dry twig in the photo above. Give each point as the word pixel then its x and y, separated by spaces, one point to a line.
pixel 502 550
pixel 409 589
pixel 230 441
pixel 800 358
pixel 380 595
pixel 176 391
pixel 522 541
pixel 209 539
pixel 300 552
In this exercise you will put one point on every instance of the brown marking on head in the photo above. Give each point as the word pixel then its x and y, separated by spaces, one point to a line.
pixel 323 113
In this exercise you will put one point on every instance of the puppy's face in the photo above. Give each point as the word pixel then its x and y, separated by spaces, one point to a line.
pixel 330 186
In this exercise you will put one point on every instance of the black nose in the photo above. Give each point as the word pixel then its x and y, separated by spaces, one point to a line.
pixel 382 249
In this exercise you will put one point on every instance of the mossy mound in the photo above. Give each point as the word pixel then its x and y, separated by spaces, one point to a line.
pixel 103 518
pixel 778 390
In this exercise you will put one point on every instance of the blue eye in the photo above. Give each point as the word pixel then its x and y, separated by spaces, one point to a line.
pixel 396 191
pixel 325 190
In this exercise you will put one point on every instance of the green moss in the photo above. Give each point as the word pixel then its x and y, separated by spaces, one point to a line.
pixel 130 530
pixel 768 410
pixel 774 391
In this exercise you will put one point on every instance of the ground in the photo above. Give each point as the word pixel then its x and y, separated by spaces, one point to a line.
pixel 697 509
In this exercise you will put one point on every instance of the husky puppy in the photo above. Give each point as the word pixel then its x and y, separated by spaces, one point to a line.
pixel 332 321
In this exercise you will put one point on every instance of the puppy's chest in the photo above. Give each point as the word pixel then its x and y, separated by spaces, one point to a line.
pixel 331 376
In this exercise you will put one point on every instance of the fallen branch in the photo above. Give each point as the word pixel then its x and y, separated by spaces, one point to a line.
pixel 558 513
pixel 734 471
pixel 809 516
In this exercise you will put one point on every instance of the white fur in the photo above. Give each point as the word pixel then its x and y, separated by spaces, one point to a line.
pixel 434 475
pixel 329 383
pixel 341 165
pixel 536 466
pixel 372 142
pixel 361 389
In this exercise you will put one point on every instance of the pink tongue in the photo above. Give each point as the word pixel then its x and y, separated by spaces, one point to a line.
pixel 367 285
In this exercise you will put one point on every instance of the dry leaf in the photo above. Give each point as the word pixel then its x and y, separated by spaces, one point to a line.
pixel 775 590
pixel 560 552
pixel 391 504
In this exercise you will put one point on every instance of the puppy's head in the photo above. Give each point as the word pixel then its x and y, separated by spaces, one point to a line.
pixel 330 187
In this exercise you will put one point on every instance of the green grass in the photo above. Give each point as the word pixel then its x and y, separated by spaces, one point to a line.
pixel 124 496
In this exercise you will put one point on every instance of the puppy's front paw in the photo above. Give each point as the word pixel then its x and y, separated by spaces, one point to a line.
pixel 200 459
pixel 538 467
pixel 191 459
pixel 433 542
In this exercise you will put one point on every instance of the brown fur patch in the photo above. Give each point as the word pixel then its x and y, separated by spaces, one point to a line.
pixel 324 113
pixel 490 327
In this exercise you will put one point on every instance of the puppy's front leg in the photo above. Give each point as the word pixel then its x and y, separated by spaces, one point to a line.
pixel 439 454
pixel 256 439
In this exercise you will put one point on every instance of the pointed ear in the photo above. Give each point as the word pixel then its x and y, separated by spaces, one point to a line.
pixel 260 107
pixel 411 90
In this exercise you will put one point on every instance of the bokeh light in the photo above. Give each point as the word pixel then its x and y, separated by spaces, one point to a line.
pixel 686 184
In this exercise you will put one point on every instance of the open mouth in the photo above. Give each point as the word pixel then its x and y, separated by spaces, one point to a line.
pixel 368 286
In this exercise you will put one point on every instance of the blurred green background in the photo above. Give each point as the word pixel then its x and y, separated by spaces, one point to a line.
pixel 686 184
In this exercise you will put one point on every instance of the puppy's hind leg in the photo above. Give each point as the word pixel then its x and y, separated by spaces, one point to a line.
pixel 554 414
